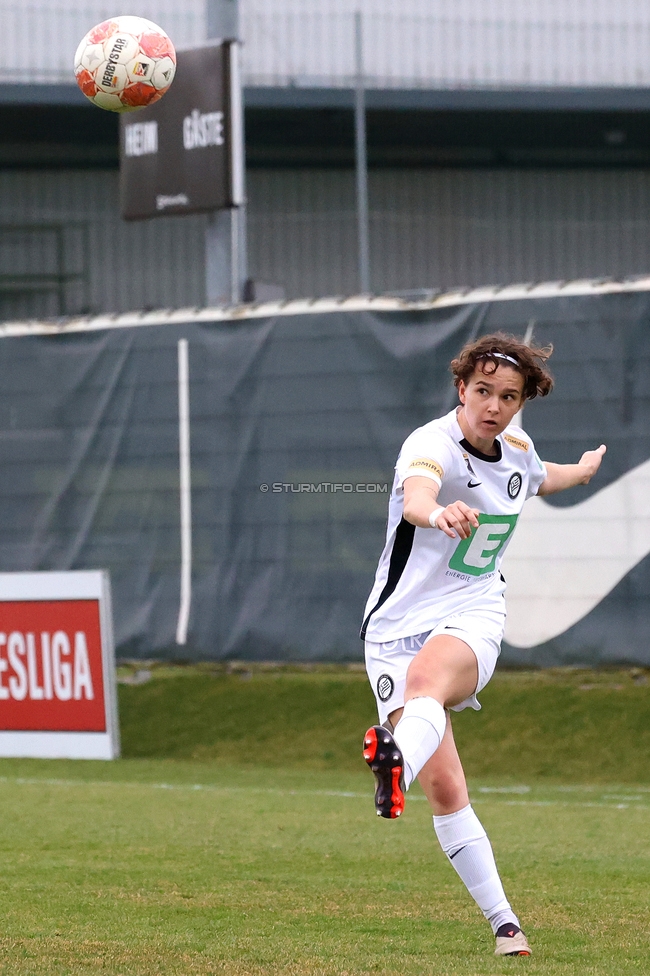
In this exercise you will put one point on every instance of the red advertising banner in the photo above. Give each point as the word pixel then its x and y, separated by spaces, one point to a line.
pixel 51 675
pixel 57 666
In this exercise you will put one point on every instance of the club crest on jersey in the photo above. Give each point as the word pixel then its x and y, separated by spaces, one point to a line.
pixel 514 485
pixel 385 687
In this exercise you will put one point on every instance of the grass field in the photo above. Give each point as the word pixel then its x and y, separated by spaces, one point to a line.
pixel 565 725
pixel 209 852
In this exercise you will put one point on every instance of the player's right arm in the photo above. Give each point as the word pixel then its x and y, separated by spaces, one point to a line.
pixel 559 477
pixel 421 502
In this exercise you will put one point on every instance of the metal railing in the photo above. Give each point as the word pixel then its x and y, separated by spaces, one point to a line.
pixel 408 44
pixel 39 37
pixel 438 44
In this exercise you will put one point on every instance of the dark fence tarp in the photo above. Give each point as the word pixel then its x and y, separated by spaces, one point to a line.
pixel 89 434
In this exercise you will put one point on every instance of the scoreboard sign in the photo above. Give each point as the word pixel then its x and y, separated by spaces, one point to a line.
pixel 57 666
pixel 184 154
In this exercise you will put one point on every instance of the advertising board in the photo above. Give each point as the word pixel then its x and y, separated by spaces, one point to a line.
pixel 184 154
pixel 57 666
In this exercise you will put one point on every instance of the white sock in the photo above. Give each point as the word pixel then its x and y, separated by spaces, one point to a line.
pixel 466 844
pixel 418 733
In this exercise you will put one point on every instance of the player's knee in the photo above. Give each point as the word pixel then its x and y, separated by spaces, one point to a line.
pixel 447 788
pixel 430 676
pixel 419 681
pixel 418 684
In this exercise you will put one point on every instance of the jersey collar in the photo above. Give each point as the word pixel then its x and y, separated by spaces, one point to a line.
pixel 474 451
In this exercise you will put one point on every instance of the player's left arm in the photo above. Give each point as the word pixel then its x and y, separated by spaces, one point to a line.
pixel 562 476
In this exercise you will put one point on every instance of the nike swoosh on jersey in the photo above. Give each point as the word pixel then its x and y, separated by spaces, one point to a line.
pixel 473 480
pixel 563 561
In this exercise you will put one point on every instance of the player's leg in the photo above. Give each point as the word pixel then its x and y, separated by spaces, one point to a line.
pixel 387 665
pixel 442 778
pixel 466 844
pixel 442 674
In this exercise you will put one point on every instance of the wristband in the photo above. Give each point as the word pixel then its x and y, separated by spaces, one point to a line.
pixel 435 514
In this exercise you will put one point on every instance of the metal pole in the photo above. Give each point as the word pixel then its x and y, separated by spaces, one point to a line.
pixel 225 239
pixel 222 19
pixel 234 260
pixel 518 418
pixel 361 159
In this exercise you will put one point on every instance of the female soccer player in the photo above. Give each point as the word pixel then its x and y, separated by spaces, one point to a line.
pixel 435 617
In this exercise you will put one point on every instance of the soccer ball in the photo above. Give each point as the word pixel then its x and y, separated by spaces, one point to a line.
pixel 125 63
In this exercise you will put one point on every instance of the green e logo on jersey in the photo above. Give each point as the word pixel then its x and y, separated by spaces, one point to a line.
pixel 478 554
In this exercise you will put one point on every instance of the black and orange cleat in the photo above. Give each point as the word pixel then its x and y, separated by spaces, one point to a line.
pixel 383 755
pixel 511 941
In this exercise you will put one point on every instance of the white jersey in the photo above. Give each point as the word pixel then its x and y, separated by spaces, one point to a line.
pixel 424 576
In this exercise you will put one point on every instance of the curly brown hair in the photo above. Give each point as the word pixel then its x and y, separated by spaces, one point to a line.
pixel 529 360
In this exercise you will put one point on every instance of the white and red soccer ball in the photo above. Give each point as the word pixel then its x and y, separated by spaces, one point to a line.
pixel 125 63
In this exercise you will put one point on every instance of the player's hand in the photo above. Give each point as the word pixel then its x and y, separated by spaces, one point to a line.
pixel 458 518
pixel 590 461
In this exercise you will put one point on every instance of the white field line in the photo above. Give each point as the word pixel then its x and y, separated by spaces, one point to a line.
pixel 633 801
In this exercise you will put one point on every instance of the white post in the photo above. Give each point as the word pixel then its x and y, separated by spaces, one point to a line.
pixel 185 491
